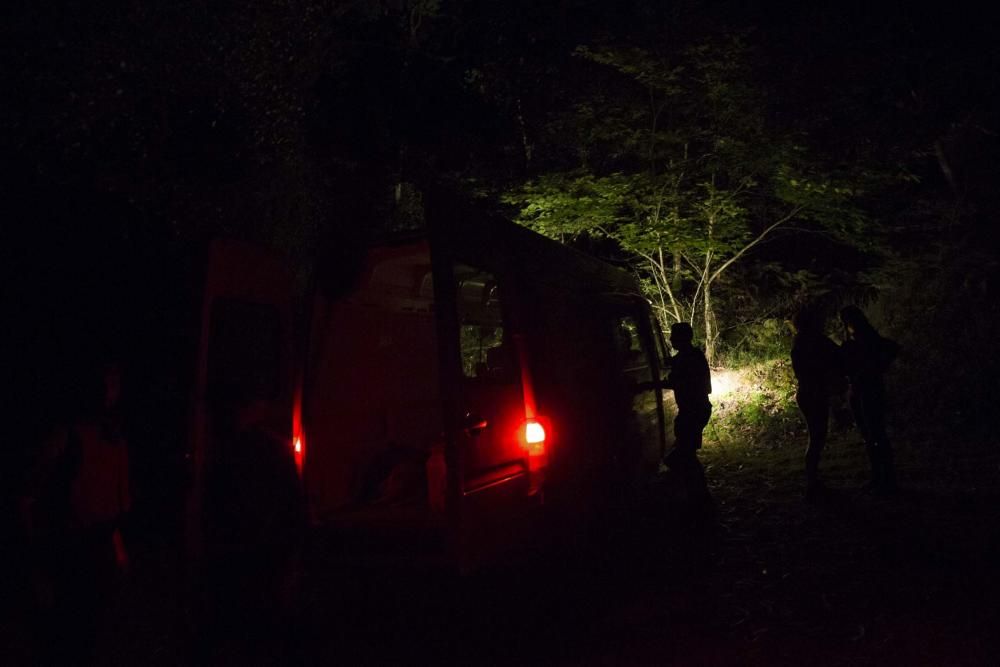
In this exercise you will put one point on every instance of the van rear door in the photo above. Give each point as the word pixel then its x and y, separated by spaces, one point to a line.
pixel 491 486
pixel 245 347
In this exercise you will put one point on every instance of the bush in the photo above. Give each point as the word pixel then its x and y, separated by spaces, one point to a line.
pixel 946 316
pixel 755 343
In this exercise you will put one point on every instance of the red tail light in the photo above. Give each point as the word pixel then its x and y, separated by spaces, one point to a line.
pixel 299 450
pixel 298 434
pixel 532 436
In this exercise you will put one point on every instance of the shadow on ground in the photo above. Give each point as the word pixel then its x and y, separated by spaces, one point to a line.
pixel 766 579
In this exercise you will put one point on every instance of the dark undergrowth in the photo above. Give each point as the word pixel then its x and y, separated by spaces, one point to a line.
pixel 857 579
pixel 767 580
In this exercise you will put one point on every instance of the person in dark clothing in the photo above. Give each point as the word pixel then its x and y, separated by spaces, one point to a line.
pixel 691 381
pixel 254 519
pixel 867 356
pixel 817 366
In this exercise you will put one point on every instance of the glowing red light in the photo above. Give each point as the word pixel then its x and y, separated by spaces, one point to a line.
pixel 298 435
pixel 299 452
pixel 532 437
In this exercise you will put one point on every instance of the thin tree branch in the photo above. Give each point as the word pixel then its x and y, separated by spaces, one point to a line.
pixel 760 237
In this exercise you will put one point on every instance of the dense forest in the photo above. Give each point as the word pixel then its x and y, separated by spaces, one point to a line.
pixel 741 159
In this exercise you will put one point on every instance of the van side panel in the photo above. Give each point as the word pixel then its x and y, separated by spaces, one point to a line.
pixel 575 391
pixel 573 308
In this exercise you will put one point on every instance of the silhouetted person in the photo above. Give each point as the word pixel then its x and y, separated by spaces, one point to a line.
pixel 817 365
pixel 254 519
pixel 867 357
pixel 74 508
pixel 691 381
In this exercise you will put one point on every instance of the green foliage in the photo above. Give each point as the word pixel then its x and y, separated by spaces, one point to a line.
pixel 758 341
pixel 682 170
pixel 568 205
pixel 941 307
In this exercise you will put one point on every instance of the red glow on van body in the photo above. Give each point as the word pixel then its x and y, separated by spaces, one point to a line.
pixel 298 433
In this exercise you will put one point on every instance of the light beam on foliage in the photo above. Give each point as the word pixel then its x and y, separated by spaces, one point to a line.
pixel 725 383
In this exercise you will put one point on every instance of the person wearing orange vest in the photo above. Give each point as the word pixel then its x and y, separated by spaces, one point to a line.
pixel 73 509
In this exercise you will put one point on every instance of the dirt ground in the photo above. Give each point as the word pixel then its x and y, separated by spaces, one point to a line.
pixel 855 580
pixel 767 580
pixel 771 580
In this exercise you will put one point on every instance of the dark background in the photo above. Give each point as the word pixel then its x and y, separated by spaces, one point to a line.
pixel 133 131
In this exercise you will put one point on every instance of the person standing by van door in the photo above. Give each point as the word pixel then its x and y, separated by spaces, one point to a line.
pixel 691 380
pixel 255 519
pixel 867 357
pixel 817 365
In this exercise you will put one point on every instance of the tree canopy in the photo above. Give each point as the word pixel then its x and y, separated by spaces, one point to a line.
pixel 772 151
pixel 681 165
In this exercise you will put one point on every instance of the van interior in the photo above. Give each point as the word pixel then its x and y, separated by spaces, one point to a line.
pixel 373 395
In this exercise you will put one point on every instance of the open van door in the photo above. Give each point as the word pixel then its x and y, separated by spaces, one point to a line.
pixel 491 489
pixel 638 361
pixel 245 347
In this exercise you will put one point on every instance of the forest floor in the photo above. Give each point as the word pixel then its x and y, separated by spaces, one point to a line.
pixel 859 579
pixel 912 579
pixel 769 580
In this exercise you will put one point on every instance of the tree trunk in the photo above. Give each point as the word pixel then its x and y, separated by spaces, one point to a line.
pixel 707 286
pixel 676 278
pixel 709 324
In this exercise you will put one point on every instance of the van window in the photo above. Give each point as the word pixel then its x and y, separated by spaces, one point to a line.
pixel 662 354
pixel 400 282
pixel 486 350
pixel 244 349
pixel 632 358
pixel 643 413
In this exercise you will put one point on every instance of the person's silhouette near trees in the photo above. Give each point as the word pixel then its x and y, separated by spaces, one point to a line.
pixel 867 356
pixel 691 380
pixel 818 369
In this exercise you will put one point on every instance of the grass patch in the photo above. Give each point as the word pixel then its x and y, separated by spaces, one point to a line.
pixel 756 439
pixel 753 404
